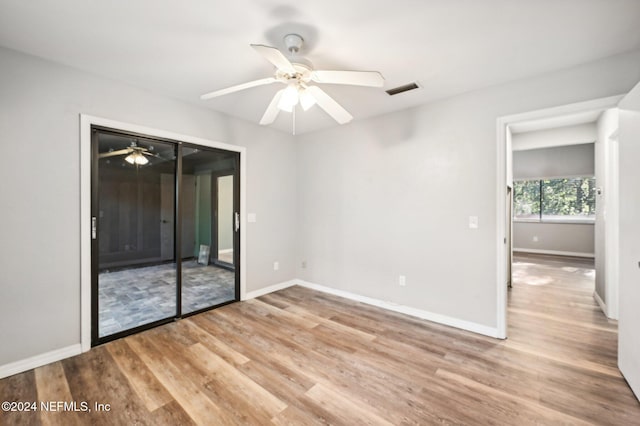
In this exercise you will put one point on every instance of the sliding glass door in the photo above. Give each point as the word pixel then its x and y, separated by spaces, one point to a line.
pixel 156 249
pixel 206 281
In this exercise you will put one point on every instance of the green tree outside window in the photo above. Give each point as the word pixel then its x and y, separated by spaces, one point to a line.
pixel 555 199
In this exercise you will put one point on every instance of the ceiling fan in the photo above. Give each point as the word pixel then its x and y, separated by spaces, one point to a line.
pixel 135 155
pixel 297 74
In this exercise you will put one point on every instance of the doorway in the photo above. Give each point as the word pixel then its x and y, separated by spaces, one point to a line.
pixel 155 217
pixel 564 115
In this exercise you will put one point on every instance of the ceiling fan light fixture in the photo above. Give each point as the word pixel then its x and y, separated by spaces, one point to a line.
pixel 136 158
pixel 141 160
pixel 289 98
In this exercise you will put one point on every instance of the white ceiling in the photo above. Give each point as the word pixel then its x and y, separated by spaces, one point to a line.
pixel 182 49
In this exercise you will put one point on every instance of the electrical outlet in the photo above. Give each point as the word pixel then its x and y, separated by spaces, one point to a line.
pixel 276 266
pixel 402 281
pixel 535 238
pixel 304 264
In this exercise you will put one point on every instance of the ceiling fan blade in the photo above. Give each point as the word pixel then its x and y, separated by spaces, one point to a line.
pixel 327 103
pixel 272 110
pixel 276 57
pixel 238 87
pixel 114 153
pixel 356 78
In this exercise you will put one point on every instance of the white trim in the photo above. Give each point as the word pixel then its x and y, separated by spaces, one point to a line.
pixel 39 360
pixel 603 306
pixel 612 225
pixel 269 289
pixel 86 121
pixel 225 250
pixel 501 228
pixel 502 124
pixel 85 232
pixel 555 252
pixel 419 313
pixel 243 222
pixel 592 105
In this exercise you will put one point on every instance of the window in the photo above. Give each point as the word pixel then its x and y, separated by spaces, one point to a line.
pixel 555 200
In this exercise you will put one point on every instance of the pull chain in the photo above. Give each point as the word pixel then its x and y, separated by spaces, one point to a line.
pixel 293 119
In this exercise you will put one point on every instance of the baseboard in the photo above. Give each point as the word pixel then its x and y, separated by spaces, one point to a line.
pixel 414 312
pixel 225 250
pixel 269 289
pixel 603 305
pixel 419 313
pixel 39 360
pixel 554 252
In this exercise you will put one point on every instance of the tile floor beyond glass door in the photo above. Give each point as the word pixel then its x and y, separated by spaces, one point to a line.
pixel 138 296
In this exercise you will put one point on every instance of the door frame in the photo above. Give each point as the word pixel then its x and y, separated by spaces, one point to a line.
pixel 509 235
pixel 86 122
pixel 95 242
pixel 612 233
pixel 504 171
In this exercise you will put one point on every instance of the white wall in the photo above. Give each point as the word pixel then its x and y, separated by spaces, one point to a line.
pixel 555 162
pixel 392 195
pixel 571 239
pixel 606 215
pixel 40 103
pixel 567 135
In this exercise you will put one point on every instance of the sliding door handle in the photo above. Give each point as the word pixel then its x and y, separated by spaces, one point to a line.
pixel 237 220
pixel 94 228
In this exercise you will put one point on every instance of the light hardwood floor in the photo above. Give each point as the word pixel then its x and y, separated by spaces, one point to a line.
pixel 303 357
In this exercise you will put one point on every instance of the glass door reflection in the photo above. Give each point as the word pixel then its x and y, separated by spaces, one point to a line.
pixel 159 253
pixel 225 220
pixel 134 210
pixel 207 281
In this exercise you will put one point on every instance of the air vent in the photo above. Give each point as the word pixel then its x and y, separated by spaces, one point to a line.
pixel 403 88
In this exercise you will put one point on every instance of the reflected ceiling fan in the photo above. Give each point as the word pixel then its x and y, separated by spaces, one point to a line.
pixel 135 155
pixel 297 74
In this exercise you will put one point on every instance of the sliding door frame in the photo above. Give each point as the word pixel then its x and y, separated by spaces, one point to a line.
pixel 95 242
pixel 86 240
pixel 236 173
